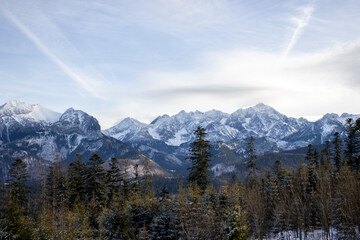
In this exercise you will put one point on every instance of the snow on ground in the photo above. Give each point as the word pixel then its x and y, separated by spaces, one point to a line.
pixel 314 235
pixel 220 169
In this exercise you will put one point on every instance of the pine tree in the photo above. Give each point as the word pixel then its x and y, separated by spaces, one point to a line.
pixel 279 172
pixel 236 226
pixel 164 193
pixel 147 178
pixel 309 157
pixel 337 150
pixel 56 185
pixel 200 157
pixel 135 186
pixel 125 189
pixel 18 182
pixel 95 181
pixel 327 153
pixel 352 141
pixel 316 158
pixel 17 224
pixel 76 181
pixel 251 164
pixel 113 180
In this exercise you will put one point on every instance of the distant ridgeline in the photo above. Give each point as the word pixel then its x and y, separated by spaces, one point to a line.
pixel 40 136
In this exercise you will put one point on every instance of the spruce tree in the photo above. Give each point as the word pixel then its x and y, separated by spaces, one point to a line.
pixel 95 181
pixel 136 183
pixel 16 225
pixel 316 158
pixel 326 154
pixel 337 150
pixel 309 157
pixel 200 157
pixel 352 141
pixel 18 182
pixel 56 185
pixel 147 178
pixel 251 164
pixel 113 180
pixel 76 182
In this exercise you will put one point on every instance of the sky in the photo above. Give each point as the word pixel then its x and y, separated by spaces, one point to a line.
pixel 144 58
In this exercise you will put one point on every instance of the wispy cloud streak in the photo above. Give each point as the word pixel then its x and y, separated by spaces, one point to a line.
pixel 301 22
pixel 70 72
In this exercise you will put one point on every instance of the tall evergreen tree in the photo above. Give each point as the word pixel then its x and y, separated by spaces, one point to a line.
pixel 113 179
pixel 15 224
pixel 309 157
pixel 18 182
pixel 76 182
pixel 337 150
pixel 251 156
pixel 200 157
pixel 147 178
pixel 56 193
pixel 56 185
pixel 126 185
pixel 316 158
pixel 352 141
pixel 326 154
pixel 95 181
pixel 136 183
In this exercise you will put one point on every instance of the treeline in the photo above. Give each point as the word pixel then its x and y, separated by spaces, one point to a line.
pixel 87 201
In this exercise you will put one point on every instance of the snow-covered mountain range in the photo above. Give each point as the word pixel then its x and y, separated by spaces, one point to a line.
pixel 36 133
pixel 39 136
pixel 167 138
pixel 18 119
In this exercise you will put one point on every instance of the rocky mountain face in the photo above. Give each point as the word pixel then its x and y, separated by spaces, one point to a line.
pixel 39 136
pixel 18 119
pixel 166 139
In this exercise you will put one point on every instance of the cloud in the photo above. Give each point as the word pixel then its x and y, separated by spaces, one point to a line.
pixel 301 22
pixel 215 91
pixel 325 80
pixel 86 82
pixel 181 16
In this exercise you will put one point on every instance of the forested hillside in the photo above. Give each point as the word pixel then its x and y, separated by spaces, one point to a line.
pixel 90 200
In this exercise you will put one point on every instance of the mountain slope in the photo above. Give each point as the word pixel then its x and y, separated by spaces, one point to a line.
pixel 74 132
pixel 18 119
pixel 39 135
pixel 167 138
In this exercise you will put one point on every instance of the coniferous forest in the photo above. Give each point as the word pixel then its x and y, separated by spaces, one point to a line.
pixel 86 200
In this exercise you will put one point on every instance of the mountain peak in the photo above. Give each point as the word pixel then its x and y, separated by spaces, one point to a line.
pixel 130 121
pixel 22 111
pixel 182 116
pixel 71 114
pixel 15 102
pixel 331 116
pixel 72 118
pixel 159 118
pixel 261 107
pixel 14 107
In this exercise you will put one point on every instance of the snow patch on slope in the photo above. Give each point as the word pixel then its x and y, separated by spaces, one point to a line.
pixel 220 169
pixel 179 138
pixel 153 133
